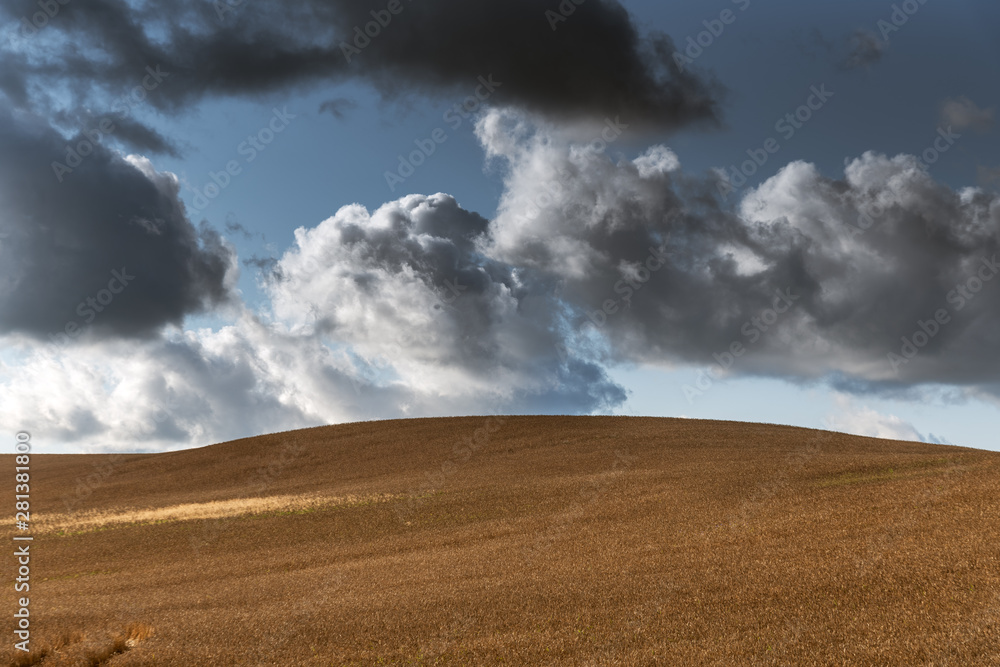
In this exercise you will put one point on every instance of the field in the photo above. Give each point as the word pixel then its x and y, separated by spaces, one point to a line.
pixel 517 541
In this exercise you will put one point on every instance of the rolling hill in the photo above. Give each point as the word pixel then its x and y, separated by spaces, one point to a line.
pixel 518 541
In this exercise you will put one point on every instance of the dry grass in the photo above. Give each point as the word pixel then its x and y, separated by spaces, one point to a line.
pixel 564 541
pixel 69 523
pixel 76 649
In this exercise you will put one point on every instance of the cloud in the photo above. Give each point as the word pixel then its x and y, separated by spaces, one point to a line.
pixel 989 176
pixel 233 226
pixel 864 260
pixel 862 420
pixel 266 266
pixel 592 261
pixel 73 245
pixel 337 107
pixel 964 113
pixel 866 49
pixel 407 287
pixel 592 65
pixel 128 131
pixel 391 313
pixel 188 388
pixel 141 138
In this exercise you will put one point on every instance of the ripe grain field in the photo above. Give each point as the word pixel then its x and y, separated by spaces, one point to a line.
pixel 518 541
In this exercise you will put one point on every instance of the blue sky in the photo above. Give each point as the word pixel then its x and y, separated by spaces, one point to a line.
pixel 891 92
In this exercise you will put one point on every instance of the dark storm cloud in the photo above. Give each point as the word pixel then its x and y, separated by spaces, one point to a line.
pixel 139 137
pixel 593 64
pixel 111 234
pixel 110 230
pixel 131 133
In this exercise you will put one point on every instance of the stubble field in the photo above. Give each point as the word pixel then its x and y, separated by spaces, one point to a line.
pixel 517 541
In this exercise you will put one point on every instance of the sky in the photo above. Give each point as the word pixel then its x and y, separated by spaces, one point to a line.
pixel 222 219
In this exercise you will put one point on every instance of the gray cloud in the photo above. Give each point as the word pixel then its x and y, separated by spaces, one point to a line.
pixel 424 308
pixel 593 64
pixel 387 314
pixel 964 113
pixel 266 266
pixel 143 138
pixel 592 263
pixel 66 239
pixel 868 257
pixel 234 226
pixel 199 388
pixel 408 286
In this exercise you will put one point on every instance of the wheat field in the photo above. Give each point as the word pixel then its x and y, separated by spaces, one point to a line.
pixel 518 541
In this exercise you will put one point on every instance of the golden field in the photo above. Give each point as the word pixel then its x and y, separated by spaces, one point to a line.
pixel 517 541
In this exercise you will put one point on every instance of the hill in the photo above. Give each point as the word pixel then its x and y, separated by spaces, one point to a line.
pixel 518 540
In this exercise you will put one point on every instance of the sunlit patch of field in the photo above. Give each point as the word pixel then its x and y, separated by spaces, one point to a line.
pixel 78 522
pixel 517 541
